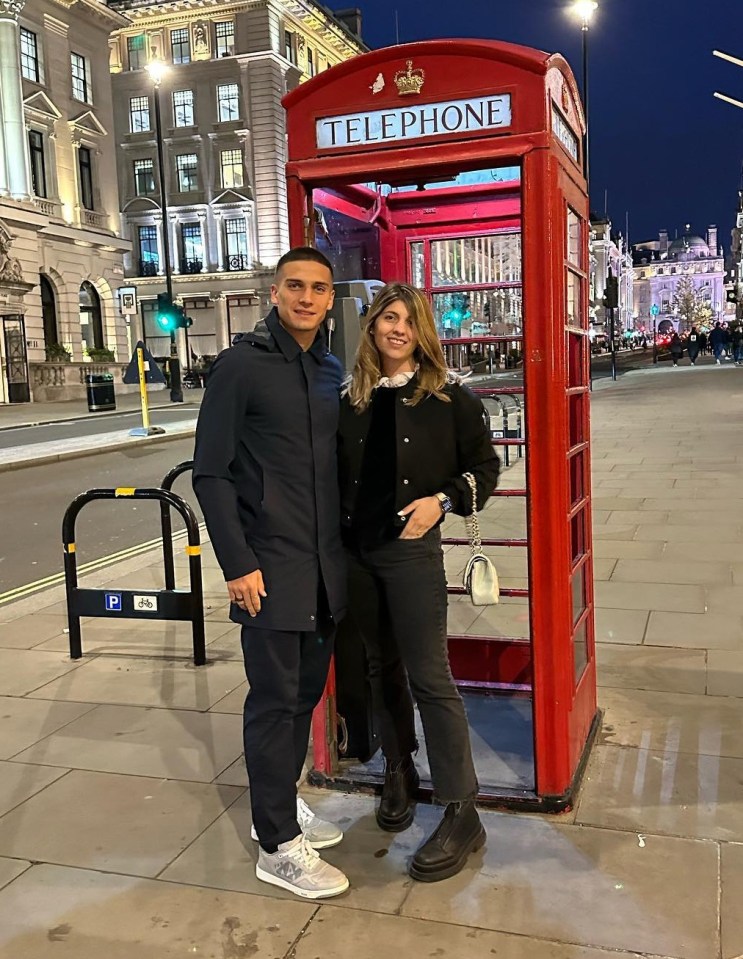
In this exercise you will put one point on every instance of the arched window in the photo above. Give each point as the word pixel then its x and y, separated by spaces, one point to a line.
pixel 48 311
pixel 91 322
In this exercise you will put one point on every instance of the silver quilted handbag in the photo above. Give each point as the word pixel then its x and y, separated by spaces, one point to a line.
pixel 480 576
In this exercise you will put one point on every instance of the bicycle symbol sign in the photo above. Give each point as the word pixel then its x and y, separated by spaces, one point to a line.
pixel 145 604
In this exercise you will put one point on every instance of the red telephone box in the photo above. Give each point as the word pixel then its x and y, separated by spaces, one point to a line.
pixel 457 165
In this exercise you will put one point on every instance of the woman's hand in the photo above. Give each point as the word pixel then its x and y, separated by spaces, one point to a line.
pixel 422 515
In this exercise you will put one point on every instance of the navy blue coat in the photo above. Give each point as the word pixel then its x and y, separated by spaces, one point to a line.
pixel 266 474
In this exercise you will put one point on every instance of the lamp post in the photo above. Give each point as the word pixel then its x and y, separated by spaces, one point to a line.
pixel 585 10
pixel 156 70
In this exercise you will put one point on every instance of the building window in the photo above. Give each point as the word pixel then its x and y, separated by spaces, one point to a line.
pixel 224 34
pixel 228 102
pixel 192 248
pixel 80 78
pixel 144 179
pixel 135 47
pixel 85 167
pixel 231 162
pixel 310 63
pixel 30 61
pixel 149 257
pixel 236 244
pixel 290 46
pixel 183 108
pixel 180 46
pixel 139 114
pixel 186 165
pixel 38 168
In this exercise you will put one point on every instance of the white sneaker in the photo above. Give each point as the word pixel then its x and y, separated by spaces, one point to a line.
pixel 296 866
pixel 318 833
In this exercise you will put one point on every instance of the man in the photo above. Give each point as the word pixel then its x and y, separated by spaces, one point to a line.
pixel 265 475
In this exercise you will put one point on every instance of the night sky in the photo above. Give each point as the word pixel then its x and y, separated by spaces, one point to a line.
pixel 666 151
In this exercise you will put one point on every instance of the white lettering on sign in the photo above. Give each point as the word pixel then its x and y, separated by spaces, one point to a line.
pixel 145 604
pixel 414 121
pixel 564 134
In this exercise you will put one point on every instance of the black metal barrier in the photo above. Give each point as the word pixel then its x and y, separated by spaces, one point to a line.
pixel 167 527
pixel 114 603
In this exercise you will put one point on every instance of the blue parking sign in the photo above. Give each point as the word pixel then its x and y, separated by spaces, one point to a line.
pixel 113 602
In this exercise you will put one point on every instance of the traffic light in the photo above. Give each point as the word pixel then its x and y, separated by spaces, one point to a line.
pixel 731 296
pixel 611 293
pixel 169 316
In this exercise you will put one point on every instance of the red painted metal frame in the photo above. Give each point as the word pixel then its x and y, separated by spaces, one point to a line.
pixel 551 179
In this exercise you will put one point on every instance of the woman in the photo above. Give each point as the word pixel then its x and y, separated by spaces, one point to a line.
pixel 676 349
pixel 407 434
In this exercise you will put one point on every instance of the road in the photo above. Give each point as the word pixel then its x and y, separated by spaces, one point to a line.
pixel 34 500
pixel 67 429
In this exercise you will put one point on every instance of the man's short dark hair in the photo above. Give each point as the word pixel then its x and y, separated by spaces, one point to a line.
pixel 299 253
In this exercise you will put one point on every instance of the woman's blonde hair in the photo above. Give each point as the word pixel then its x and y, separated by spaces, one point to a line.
pixel 432 374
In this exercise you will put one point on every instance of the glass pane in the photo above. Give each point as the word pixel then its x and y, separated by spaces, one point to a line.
pixel 476 260
pixel 417 265
pixel 349 241
pixel 574 313
pixel 578 485
pixel 580 650
pixel 578 535
pixel 577 426
pixel 574 245
pixel 479 313
pixel 577 347
pixel 578 592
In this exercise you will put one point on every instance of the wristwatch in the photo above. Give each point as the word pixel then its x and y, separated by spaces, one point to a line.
pixel 444 502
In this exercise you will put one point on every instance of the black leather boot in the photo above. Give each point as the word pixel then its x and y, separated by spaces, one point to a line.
pixel 444 854
pixel 397 806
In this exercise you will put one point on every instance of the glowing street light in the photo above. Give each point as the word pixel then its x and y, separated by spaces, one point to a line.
pixel 157 70
pixel 585 10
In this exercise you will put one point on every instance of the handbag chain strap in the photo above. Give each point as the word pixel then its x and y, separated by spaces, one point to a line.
pixel 471 522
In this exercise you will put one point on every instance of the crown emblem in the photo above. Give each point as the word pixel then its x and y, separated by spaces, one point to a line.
pixel 409 80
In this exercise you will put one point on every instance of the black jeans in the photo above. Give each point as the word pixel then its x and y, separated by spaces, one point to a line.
pixel 286 675
pixel 397 593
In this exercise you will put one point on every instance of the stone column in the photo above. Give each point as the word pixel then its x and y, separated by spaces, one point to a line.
pixel 221 330
pixel 14 165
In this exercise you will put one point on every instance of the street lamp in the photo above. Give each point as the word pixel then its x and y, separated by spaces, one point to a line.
pixel 584 10
pixel 157 70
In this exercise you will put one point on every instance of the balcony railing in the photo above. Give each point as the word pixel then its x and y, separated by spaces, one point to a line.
pixel 191 266
pixel 238 261
pixel 47 207
pixel 99 221
pixel 148 268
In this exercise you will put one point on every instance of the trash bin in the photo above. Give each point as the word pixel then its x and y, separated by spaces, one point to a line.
pixel 100 388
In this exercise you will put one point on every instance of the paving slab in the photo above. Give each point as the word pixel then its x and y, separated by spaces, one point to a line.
pixel 168 743
pixel 52 912
pixel 732 894
pixel 24 722
pixel 129 824
pixel 652 667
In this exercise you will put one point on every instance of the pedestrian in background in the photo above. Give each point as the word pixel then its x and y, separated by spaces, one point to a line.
pixel 693 345
pixel 717 342
pixel 266 476
pixel 737 342
pixel 407 434
pixel 676 349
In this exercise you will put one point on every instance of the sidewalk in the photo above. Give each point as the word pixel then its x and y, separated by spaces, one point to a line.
pixel 180 422
pixel 124 816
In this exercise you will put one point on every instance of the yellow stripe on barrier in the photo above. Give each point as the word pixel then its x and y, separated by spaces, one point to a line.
pixel 69 548
pixel 125 491
pixel 193 551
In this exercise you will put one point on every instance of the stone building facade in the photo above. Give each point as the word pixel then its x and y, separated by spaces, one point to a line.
pixel 226 67
pixel 61 252
pixel 660 264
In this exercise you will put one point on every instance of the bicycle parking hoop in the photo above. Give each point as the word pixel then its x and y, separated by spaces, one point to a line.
pixel 112 603
pixel 165 524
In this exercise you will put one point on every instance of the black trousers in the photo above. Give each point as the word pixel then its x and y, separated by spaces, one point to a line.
pixel 397 594
pixel 286 675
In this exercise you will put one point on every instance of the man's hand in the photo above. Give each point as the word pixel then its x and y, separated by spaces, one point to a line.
pixel 422 515
pixel 246 592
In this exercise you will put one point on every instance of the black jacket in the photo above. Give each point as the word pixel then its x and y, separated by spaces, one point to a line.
pixel 266 475
pixel 436 443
